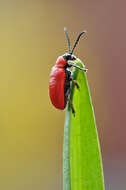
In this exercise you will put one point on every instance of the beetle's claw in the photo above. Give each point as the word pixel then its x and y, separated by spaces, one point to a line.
pixel 76 84
pixel 73 112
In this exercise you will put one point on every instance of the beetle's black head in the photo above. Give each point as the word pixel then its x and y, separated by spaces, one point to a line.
pixel 69 57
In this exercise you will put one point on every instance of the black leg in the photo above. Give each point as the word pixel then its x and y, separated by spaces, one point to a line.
pixel 71 106
pixel 76 84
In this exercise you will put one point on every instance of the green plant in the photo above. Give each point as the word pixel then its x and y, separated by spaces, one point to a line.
pixel 82 164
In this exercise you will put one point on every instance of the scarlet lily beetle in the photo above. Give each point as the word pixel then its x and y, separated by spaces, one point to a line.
pixel 60 77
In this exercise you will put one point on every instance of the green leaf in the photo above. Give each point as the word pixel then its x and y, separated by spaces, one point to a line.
pixel 82 164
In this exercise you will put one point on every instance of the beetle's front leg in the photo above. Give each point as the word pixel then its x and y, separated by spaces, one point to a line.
pixel 75 83
pixel 71 106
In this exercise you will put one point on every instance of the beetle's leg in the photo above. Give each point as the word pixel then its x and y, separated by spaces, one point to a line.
pixel 71 63
pixel 76 84
pixel 71 106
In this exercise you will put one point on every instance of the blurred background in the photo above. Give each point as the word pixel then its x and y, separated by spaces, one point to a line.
pixel 31 129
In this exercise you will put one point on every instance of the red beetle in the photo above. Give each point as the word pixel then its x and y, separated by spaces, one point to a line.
pixel 60 77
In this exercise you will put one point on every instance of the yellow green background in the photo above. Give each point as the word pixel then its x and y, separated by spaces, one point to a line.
pixel 31 129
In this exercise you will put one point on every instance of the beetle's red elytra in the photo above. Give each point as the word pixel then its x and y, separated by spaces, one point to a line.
pixel 57 83
pixel 61 78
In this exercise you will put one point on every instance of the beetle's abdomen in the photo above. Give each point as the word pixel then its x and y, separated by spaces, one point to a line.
pixel 56 87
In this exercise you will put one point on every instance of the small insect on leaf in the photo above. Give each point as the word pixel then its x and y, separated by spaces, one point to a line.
pixel 60 77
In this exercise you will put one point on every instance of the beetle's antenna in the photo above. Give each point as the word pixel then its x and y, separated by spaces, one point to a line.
pixel 68 39
pixel 77 40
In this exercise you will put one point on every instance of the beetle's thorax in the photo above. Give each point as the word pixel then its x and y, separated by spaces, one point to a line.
pixel 61 62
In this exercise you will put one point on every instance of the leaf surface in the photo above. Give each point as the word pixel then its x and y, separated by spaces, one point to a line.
pixel 82 164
